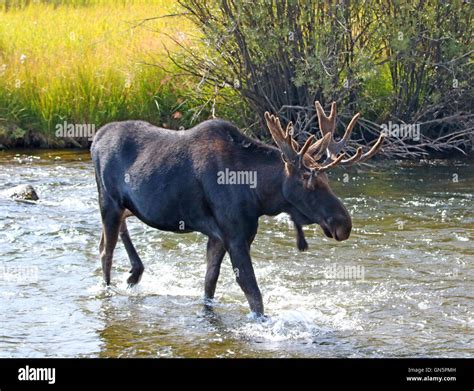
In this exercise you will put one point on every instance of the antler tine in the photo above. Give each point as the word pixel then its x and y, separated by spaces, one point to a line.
pixel 331 164
pixel 336 147
pixel 306 145
pixel 375 148
pixel 358 157
pixel 339 146
pixel 353 159
pixel 333 113
pixel 288 146
pixel 319 147
pixel 326 124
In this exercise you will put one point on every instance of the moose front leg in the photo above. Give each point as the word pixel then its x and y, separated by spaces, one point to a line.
pixel 215 254
pixel 242 264
pixel 301 242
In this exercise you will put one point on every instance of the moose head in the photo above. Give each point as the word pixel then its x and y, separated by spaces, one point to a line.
pixel 306 186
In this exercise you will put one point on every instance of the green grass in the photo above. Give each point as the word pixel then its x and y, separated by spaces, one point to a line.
pixel 84 62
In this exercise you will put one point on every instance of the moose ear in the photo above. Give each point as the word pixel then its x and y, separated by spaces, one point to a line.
pixel 290 168
pixel 310 179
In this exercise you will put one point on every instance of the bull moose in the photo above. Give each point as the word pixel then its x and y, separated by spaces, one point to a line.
pixel 168 180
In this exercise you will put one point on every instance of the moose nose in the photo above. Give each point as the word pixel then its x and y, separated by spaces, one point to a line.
pixel 340 227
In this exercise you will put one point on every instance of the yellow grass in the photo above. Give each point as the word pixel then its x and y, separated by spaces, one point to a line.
pixel 86 63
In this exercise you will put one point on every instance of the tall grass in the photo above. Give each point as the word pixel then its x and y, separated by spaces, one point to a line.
pixel 84 61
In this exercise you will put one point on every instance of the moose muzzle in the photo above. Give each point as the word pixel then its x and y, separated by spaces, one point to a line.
pixel 338 227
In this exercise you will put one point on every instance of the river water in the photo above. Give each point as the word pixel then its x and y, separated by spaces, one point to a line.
pixel 401 286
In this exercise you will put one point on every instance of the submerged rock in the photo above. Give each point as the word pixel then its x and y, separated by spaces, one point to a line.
pixel 21 192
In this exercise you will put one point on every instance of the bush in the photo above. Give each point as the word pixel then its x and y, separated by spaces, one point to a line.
pixel 397 61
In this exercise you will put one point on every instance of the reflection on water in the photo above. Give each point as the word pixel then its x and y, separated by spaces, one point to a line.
pixel 401 286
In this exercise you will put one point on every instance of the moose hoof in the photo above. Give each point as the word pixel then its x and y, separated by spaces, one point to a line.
pixel 302 244
pixel 257 317
pixel 134 278
pixel 209 301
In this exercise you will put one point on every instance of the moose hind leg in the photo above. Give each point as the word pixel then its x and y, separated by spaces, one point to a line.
pixel 242 264
pixel 215 254
pixel 136 262
pixel 111 220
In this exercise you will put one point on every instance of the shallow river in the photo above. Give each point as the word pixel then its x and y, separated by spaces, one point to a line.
pixel 402 285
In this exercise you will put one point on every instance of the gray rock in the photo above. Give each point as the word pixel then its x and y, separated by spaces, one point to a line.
pixel 21 192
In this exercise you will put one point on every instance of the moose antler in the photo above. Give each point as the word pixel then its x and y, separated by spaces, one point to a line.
pixel 327 125
pixel 289 147
pixel 283 138
pixel 310 153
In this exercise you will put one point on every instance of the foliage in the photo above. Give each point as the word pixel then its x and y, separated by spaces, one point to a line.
pixel 395 60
